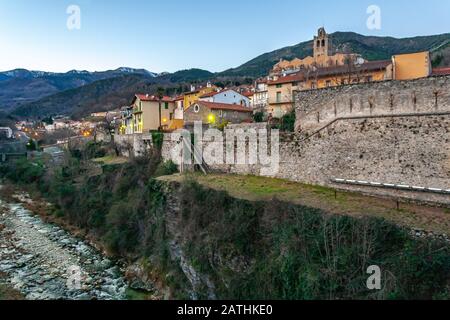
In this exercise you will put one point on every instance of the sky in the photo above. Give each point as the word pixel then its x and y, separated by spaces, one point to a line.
pixel 173 35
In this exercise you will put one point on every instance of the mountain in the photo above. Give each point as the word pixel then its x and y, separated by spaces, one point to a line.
pixel 190 75
pixel 100 95
pixel 20 86
pixel 106 94
pixel 79 93
pixel 370 47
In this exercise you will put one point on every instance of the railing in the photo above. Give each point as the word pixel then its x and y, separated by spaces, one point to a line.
pixel 198 159
pixel 390 186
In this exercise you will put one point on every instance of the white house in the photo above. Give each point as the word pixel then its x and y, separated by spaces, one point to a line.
pixel 261 96
pixel 7 132
pixel 227 96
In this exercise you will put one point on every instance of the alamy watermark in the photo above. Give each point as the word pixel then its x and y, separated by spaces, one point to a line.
pixel 230 147
pixel 74 19
pixel 374 281
pixel 374 19
pixel 74 275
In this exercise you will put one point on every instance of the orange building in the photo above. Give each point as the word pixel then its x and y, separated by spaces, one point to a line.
pixel 281 90
pixel 322 56
pixel 324 70
pixel 412 66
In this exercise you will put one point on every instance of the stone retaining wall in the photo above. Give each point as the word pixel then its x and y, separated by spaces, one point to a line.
pixel 316 108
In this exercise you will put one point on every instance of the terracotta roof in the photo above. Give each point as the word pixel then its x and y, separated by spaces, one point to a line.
pixel 330 71
pixel 198 89
pixel 367 66
pixel 210 94
pixel 147 97
pixel 288 79
pixel 223 106
pixel 248 94
pixel 441 71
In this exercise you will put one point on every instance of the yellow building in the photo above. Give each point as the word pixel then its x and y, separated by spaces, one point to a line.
pixel 320 71
pixel 281 90
pixel 194 95
pixel 412 66
pixel 145 113
pixel 281 94
pixel 348 74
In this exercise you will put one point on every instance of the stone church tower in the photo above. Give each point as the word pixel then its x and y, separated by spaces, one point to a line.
pixel 322 44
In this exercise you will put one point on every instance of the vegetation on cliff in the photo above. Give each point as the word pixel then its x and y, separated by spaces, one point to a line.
pixel 248 249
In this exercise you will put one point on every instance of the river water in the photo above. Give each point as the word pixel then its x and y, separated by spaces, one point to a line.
pixel 44 262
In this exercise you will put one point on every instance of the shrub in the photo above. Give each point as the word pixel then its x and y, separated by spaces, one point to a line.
pixel 24 171
pixel 287 122
pixel 166 168
pixel 258 117
pixel 158 139
pixel 275 250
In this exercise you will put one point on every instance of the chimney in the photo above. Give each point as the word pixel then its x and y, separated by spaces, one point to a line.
pixel 192 88
pixel 208 84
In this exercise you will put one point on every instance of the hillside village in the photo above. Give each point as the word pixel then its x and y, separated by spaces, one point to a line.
pixel 270 97
pixel 350 170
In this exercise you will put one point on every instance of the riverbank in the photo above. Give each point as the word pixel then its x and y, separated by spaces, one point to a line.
pixel 65 247
pixel 201 242
pixel 7 292
pixel 44 262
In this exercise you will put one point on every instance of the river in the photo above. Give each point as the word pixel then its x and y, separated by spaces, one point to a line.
pixel 44 262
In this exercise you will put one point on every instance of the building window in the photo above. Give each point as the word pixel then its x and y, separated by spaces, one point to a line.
pixel 196 108
pixel 220 113
pixel 166 105
pixel 278 97
pixel 313 85
pixel 279 86
pixel 328 83
pixel 369 79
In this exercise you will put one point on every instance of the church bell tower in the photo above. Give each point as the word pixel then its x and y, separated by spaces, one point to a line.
pixel 321 44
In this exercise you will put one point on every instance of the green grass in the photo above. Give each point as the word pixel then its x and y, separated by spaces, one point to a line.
pixel 110 160
pixel 255 188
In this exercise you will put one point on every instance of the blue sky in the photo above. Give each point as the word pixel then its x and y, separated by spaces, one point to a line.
pixel 171 35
